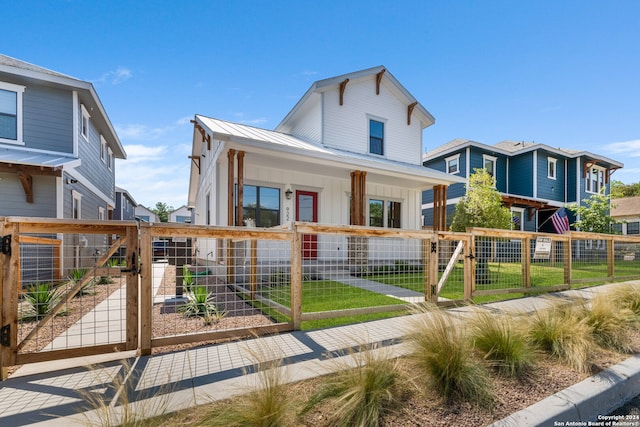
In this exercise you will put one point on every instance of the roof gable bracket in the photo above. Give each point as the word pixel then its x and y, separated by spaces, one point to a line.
pixel 27 184
pixel 196 161
pixel 203 133
pixel 343 86
pixel 378 80
pixel 410 111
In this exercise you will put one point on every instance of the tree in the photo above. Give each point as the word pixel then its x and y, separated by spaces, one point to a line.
pixel 594 214
pixel 620 189
pixel 481 206
pixel 162 210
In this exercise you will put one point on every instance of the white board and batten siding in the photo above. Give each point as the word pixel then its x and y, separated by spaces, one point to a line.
pixel 346 126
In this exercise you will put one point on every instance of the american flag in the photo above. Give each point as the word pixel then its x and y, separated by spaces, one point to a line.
pixel 560 221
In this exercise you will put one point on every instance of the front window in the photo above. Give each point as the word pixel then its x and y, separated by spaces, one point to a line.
pixel 551 167
pixel 595 180
pixel 11 112
pixel 376 137
pixel 261 204
pixel 384 213
pixel 633 228
pixel 453 164
pixel 489 164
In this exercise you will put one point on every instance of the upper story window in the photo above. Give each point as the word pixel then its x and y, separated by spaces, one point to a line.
pixel 109 158
pixel 489 164
pixel 453 164
pixel 103 149
pixel 633 228
pixel 595 180
pixel 11 113
pixel 551 167
pixel 84 123
pixel 376 137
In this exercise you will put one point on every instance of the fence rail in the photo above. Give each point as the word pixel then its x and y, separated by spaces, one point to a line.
pixel 73 288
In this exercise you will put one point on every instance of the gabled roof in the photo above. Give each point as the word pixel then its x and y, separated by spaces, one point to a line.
pixel 127 194
pixel 512 148
pixel 627 206
pixel 26 71
pixel 321 85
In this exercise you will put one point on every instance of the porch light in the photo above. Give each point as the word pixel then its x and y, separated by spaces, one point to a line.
pixel 288 194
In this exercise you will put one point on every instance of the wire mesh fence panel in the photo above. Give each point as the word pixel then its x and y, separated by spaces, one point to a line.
pixel 209 284
pixel 71 293
pixel 589 260
pixel 498 263
pixel 354 273
pixel 627 259
pixel 548 263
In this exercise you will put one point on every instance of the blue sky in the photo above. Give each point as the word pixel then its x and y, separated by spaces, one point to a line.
pixel 562 73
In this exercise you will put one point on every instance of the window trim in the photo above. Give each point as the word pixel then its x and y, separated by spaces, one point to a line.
pixel 494 161
pixel 385 210
pixel 600 180
pixel 101 213
pixel 109 158
pixel 76 196
pixel 103 149
pixel 447 162
pixel 84 131
pixel 383 122
pixel 521 211
pixel 19 90
pixel 552 161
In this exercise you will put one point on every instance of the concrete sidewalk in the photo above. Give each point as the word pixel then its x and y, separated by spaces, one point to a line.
pixel 54 394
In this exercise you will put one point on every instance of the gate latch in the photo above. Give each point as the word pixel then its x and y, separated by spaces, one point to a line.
pixel 5 335
pixel 5 246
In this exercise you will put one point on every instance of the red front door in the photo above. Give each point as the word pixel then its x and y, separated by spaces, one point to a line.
pixel 307 210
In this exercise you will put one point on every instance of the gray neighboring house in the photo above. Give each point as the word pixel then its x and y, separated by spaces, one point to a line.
pixel 145 214
pixel 57 153
pixel 125 206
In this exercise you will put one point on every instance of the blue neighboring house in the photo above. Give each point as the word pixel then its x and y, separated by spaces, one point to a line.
pixel 535 180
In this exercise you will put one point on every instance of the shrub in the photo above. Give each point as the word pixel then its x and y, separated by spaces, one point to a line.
pixel 609 321
pixel 627 296
pixel 502 343
pixel 269 405
pixel 76 276
pixel 200 303
pixel 42 298
pixel 361 391
pixel 187 278
pixel 560 331
pixel 442 352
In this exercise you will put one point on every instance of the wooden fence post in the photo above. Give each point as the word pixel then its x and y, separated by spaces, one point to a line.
pixel 567 254
pixel 468 269
pixel 296 279
pixel 132 306
pixel 431 293
pixel 10 281
pixel 611 260
pixel 526 261
pixel 146 289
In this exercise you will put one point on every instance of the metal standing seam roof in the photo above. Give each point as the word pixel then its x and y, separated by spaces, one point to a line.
pixel 32 158
pixel 293 144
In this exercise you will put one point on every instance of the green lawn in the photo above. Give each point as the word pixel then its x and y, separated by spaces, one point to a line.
pixel 327 295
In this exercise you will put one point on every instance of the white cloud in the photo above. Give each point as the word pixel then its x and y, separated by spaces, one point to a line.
pixel 630 148
pixel 137 153
pixel 115 77
pixel 141 132
pixel 184 120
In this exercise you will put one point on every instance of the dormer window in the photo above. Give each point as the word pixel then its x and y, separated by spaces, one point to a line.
pixel 84 123
pixel 376 137
pixel 453 164
pixel 11 113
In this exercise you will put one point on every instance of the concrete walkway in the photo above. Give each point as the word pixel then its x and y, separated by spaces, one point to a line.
pixel 54 394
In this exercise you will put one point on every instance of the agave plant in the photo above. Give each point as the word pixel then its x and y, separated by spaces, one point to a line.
pixel 200 303
pixel 42 297
pixel 76 276
pixel 187 278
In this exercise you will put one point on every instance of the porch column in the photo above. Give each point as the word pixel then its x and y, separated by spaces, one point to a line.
pixel 230 187
pixel 240 186
pixel 439 207
pixel 358 196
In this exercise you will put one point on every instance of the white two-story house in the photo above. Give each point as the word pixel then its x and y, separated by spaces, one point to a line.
pixel 348 153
